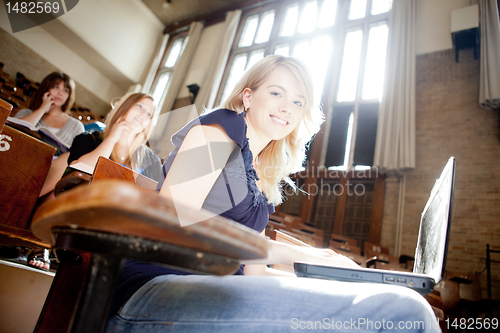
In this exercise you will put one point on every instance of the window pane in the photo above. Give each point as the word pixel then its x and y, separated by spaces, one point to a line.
pixel 254 57
pixel 350 66
pixel 366 134
pixel 235 73
pixel 160 87
pixel 357 9
pixel 381 6
pixel 266 24
pixel 249 30
pixel 301 51
pixel 290 20
pixel 337 139
pixel 375 62
pixel 308 17
pixel 175 51
pixel 283 49
pixel 327 14
pixel 321 50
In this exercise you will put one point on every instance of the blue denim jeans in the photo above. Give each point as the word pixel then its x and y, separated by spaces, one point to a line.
pixel 195 303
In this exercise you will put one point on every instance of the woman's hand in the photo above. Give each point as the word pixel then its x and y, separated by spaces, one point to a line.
pixel 287 254
pixel 47 102
pixel 326 257
pixel 118 131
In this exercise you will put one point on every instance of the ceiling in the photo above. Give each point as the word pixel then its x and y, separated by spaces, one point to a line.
pixel 176 11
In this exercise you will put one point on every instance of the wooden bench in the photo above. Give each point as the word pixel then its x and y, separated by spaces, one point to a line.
pixel 343 239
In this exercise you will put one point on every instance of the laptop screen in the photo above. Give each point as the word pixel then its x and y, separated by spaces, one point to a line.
pixel 432 244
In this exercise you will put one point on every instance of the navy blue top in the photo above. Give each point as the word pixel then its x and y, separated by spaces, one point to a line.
pixel 235 195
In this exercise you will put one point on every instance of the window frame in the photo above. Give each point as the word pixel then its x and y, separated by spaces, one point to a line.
pixel 162 69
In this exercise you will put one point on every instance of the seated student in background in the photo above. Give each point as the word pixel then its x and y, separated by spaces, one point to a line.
pixel 49 107
pixel 243 152
pixel 128 126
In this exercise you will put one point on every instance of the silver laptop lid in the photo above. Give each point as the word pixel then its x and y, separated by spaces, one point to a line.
pixel 432 245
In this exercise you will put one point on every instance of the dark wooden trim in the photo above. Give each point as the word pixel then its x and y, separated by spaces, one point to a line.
pixel 307 206
pixel 377 210
pixel 338 225
pixel 218 16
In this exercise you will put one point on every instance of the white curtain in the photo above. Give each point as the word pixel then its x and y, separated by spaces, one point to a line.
pixel 489 63
pixel 182 66
pixel 395 143
pixel 210 85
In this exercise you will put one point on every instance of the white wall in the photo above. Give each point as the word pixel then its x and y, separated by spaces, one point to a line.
pixel 23 291
pixel 105 45
pixel 124 32
pixel 434 23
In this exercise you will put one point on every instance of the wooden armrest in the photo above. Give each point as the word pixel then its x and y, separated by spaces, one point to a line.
pixel 121 208
pixel 70 181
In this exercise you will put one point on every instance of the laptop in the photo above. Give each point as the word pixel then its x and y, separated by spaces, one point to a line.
pixel 430 254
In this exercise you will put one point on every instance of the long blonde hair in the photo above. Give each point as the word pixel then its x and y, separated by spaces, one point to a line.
pixel 280 158
pixel 119 111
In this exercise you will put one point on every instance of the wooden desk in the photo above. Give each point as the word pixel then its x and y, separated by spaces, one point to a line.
pixel 116 220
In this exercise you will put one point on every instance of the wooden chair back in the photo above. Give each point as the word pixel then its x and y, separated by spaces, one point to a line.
pixel 24 164
pixel 345 247
pixel 105 169
pixel 343 239
pixel 108 169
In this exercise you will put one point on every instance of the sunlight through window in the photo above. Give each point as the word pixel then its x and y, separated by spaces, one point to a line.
pixel 375 62
pixel 308 17
pixel 249 31
pixel 282 49
pixel 327 14
pixel 235 74
pixel 321 50
pixel 350 66
pixel 381 6
pixel 346 58
pixel 290 21
pixel 254 57
pixel 357 9
pixel 160 87
pixel 349 141
pixel 266 24
pixel 301 51
pixel 176 50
